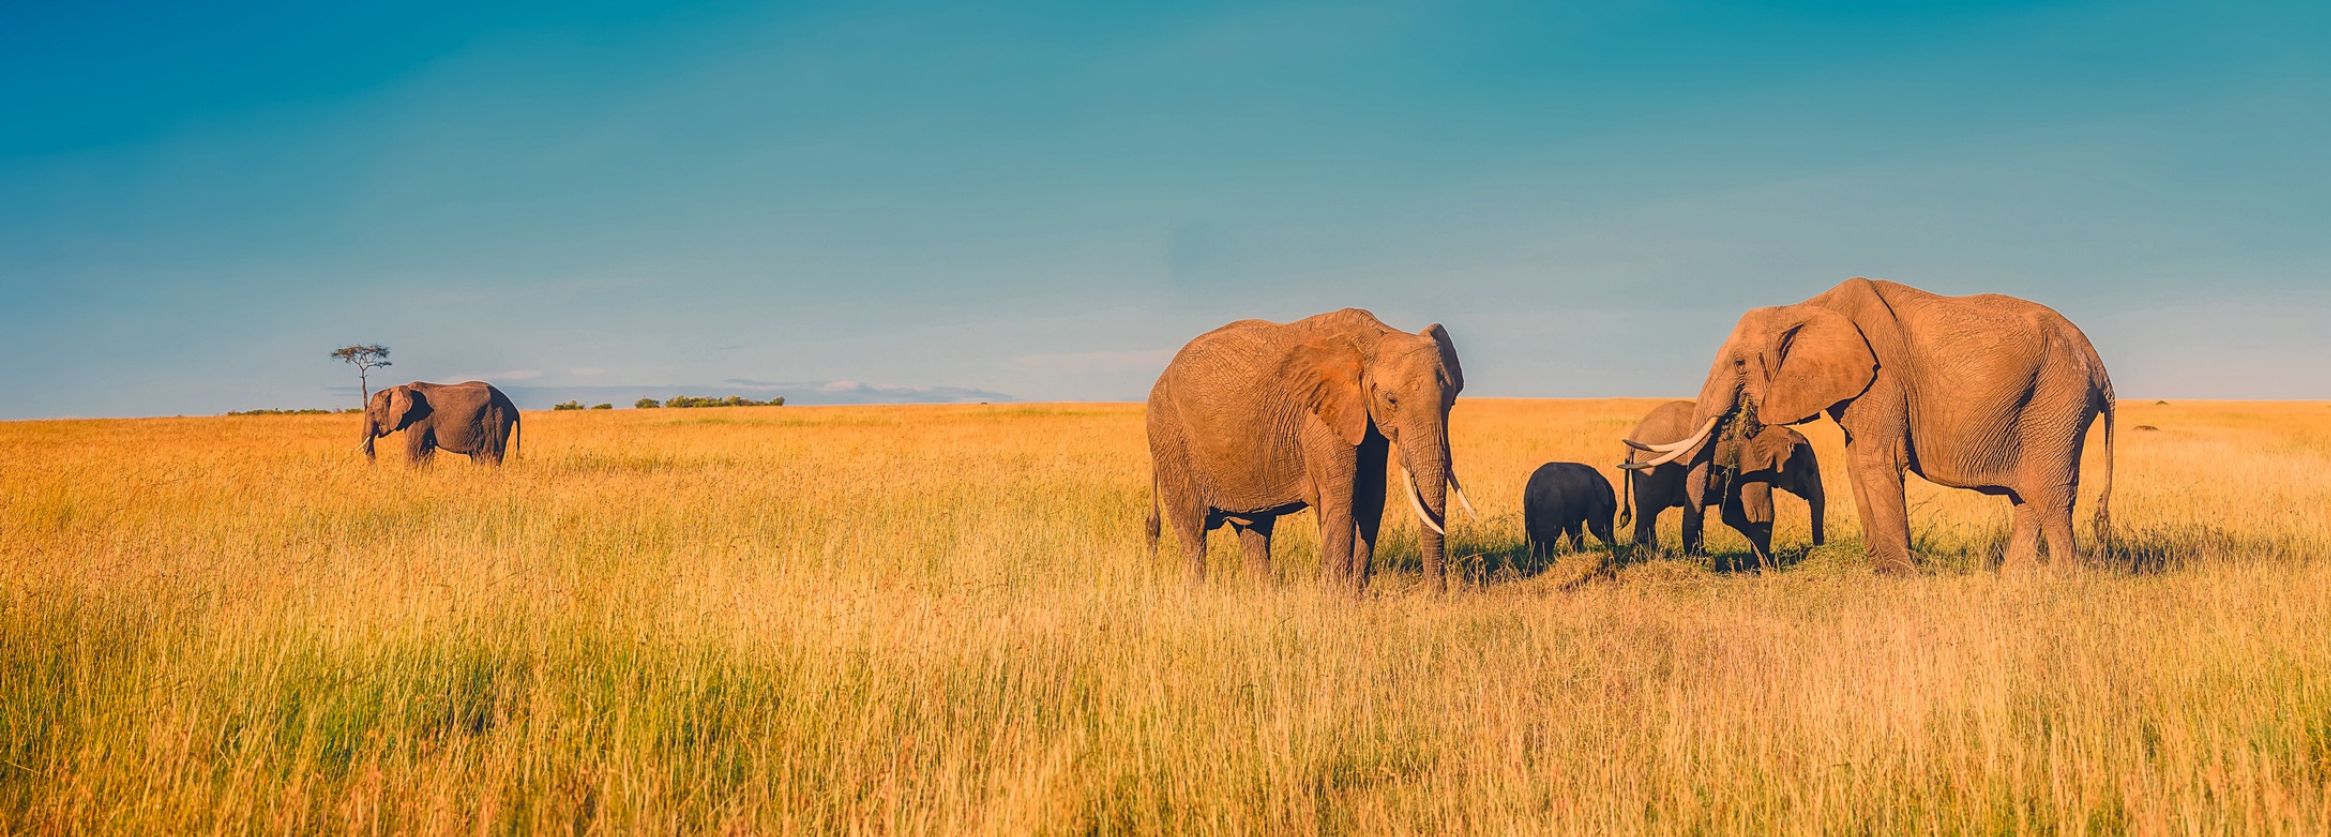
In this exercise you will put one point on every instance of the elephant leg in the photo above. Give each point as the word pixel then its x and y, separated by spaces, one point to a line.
pixel 1819 506
pixel 1333 485
pixel 2023 539
pixel 1575 534
pixel 1255 540
pixel 1692 522
pixel 420 446
pixel 1182 514
pixel 1336 533
pixel 1760 536
pixel 2054 510
pixel 1646 526
pixel 1368 493
pixel 1877 487
pixel 1601 526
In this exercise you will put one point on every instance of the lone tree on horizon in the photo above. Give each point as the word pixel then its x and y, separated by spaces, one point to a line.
pixel 365 358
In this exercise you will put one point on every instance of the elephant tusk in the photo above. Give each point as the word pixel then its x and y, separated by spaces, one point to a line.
pixel 1675 450
pixel 1418 504
pixel 1663 459
pixel 1461 499
pixel 1685 443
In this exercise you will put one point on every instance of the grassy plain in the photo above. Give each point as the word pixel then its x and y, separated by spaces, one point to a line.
pixel 943 619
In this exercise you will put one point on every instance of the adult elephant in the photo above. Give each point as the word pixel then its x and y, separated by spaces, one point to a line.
pixel 471 418
pixel 1257 419
pixel 1739 479
pixel 1984 392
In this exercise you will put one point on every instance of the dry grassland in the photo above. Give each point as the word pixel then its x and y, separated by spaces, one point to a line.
pixel 943 619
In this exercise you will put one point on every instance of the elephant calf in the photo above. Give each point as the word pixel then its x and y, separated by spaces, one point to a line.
pixel 1561 500
pixel 471 418
pixel 1774 457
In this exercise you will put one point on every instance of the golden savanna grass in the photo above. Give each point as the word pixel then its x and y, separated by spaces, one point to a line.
pixel 944 619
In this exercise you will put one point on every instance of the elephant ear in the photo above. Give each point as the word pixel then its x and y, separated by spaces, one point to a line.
pixel 1769 451
pixel 405 405
pixel 1324 376
pixel 1440 338
pixel 1818 360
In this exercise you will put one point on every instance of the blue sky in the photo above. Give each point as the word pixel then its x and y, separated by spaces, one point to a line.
pixel 906 201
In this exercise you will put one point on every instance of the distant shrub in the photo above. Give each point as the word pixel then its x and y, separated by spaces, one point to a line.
pixel 714 401
pixel 602 406
pixel 567 405
pixel 306 411
pixel 647 404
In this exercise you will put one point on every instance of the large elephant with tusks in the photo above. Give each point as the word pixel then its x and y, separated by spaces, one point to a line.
pixel 1984 392
pixel 1257 419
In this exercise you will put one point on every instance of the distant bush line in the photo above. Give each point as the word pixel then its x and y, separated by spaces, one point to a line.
pixel 679 401
pixel 709 401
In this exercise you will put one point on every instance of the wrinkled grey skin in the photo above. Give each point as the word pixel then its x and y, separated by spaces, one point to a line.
pixel 1775 458
pixel 1984 392
pixel 471 418
pixel 1257 419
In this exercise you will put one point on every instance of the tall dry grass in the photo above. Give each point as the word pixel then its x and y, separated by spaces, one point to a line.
pixel 943 619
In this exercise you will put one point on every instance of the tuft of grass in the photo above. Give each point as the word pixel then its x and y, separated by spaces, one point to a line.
pixel 945 619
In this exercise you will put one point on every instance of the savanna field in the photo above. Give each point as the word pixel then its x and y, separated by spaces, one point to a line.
pixel 945 620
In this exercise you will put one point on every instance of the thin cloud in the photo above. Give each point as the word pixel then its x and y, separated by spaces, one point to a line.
pixel 795 392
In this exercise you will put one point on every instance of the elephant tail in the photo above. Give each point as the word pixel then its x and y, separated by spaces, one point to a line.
pixel 1153 518
pixel 2104 497
pixel 1627 494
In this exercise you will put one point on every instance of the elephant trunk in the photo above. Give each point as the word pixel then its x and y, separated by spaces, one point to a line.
pixel 371 432
pixel 1756 502
pixel 1429 477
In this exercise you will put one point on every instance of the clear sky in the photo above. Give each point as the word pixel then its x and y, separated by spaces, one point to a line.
pixel 907 201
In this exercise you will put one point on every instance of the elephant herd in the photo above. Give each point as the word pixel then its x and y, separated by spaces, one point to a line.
pixel 1255 420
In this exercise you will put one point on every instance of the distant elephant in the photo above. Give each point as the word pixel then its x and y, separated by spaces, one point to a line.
pixel 1257 419
pixel 1563 501
pixel 1984 392
pixel 471 418
pixel 1743 478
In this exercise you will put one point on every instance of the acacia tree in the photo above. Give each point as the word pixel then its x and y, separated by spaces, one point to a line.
pixel 365 358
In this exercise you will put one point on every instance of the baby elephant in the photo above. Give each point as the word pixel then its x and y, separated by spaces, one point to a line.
pixel 1777 457
pixel 1561 500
